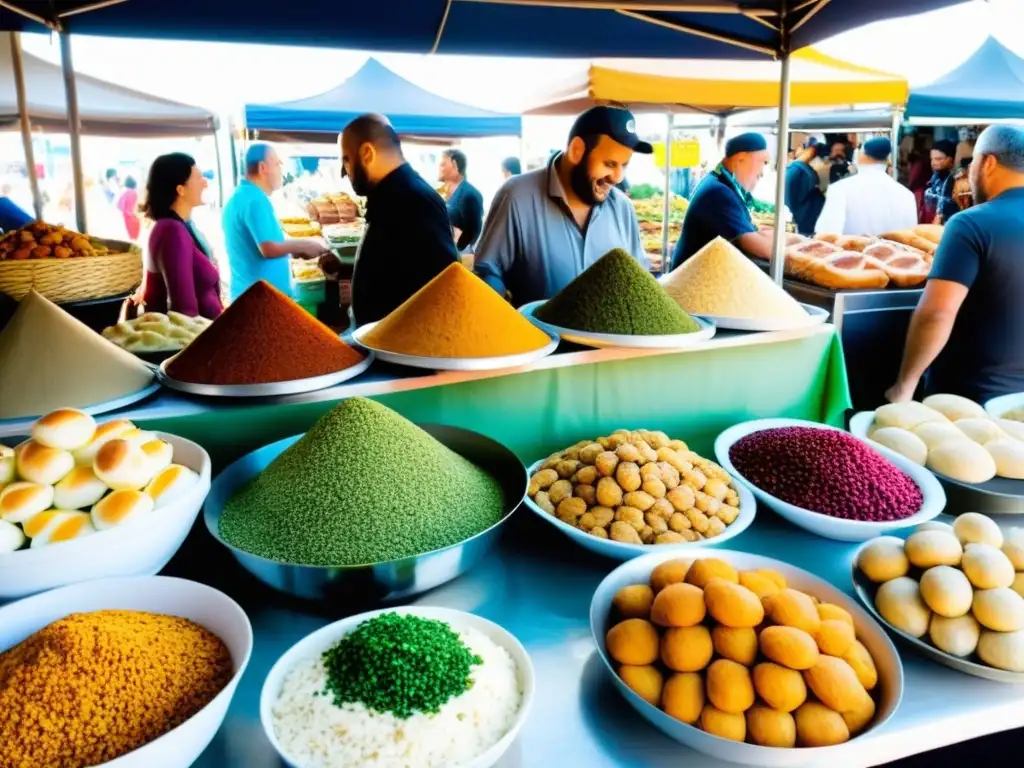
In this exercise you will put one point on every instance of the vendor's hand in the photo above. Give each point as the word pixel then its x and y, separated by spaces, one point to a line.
pixel 312 248
pixel 900 392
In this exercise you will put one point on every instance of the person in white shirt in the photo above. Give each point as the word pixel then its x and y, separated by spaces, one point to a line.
pixel 869 202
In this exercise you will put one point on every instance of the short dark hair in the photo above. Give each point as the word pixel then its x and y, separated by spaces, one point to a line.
pixel 376 130
pixel 512 165
pixel 111 173
pixel 458 157
pixel 130 183
pixel 166 174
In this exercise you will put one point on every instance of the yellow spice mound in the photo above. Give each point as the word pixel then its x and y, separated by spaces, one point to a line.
pixel 456 315
pixel 719 280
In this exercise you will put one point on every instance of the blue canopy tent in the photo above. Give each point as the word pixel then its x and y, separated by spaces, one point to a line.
pixel 693 29
pixel 988 86
pixel 414 112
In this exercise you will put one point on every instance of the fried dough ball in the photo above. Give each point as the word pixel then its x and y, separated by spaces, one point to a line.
pixel 606 463
pixel 707 568
pixel 862 664
pixel 646 682
pixel 834 637
pixel 789 646
pixel 781 688
pixel 736 644
pixel 627 475
pixel 819 726
pixel 570 510
pixel 624 532
pixel 828 611
pixel 770 728
pixel 608 492
pixel 682 697
pixel 669 572
pixel 560 489
pixel 859 718
pixel 732 604
pixel 791 608
pixel 729 686
pixel 725 725
pixel 835 683
pixel 678 605
pixel 634 642
pixel 634 602
pixel 759 584
pixel 686 649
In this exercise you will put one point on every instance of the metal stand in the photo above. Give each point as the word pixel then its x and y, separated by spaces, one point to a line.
pixel 778 262
pixel 666 257
pixel 74 130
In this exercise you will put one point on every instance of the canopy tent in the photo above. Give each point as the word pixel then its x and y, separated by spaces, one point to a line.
pixel 988 86
pixel 853 120
pixel 413 111
pixel 105 109
pixel 722 87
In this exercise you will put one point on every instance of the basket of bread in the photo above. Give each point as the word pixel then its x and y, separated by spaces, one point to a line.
pixel 64 265
pixel 155 336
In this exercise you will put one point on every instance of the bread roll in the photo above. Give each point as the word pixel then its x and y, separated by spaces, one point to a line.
pixel 21 501
pixel 908 415
pixel 999 609
pixel 39 464
pixel 955 407
pixel 7 462
pixel 138 437
pixel 171 484
pixel 122 466
pixel 904 442
pixel 79 489
pixel 946 591
pixel 972 527
pixel 957 636
pixel 980 431
pixel 11 537
pixel 987 567
pixel 120 507
pixel 66 429
pixel 1009 456
pixel 104 434
pixel 963 460
pixel 1014 429
pixel 55 526
pixel 1003 650
pixel 899 603
pixel 159 453
pixel 934 433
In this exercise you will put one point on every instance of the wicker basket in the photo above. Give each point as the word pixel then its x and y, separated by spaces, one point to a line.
pixel 78 279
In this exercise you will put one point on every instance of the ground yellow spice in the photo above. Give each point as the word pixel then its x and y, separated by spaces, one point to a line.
pixel 94 686
pixel 456 315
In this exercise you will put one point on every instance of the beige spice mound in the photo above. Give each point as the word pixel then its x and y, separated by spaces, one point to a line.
pixel 719 280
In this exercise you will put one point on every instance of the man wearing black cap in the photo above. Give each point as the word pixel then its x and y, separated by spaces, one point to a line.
pixel 869 202
pixel 720 206
pixel 803 193
pixel 938 197
pixel 546 226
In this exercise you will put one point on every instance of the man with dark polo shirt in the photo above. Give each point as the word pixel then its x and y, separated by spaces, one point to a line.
pixel 720 206
pixel 408 240
pixel 968 328
pixel 547 226
pixel 465 203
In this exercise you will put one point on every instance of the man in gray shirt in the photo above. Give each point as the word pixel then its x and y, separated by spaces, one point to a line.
pixel 547 226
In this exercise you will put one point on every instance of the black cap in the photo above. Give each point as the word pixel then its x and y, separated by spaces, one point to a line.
pixel 617 123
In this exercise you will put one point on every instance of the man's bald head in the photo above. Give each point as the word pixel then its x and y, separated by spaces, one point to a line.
pixel 998 162
pixel 370 150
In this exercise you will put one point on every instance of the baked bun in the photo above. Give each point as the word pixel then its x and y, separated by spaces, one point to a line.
pixel 7 462
pixel 79 489
pixel 104 433
pixel 11 537
pixel 171 484
pixel 65 429
pixel 21 501
pixel 122 466
pixel 137 437
pixel 56 525
pixel 160 454
pixel 120 507
pixel 39 464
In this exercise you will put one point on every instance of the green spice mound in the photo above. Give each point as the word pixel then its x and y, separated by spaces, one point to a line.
pixel 400 664
pixel 617 295
pixel 363 486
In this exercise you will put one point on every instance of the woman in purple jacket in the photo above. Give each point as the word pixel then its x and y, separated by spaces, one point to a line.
pixel 180 273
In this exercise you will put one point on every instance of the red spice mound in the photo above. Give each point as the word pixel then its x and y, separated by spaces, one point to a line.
pixel 826 471
pixel 261 338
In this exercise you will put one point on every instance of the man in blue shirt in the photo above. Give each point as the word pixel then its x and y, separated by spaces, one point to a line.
pixel 720 206
pixel 256 245
pixel 465 203
pixel 804 197
pixel 939 194
pixel 968 328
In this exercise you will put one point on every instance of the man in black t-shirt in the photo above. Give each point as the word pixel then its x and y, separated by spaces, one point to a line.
pixel 968 328
pixel 465 203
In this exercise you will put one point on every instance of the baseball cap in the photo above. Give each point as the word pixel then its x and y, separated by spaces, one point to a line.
pixel 617 123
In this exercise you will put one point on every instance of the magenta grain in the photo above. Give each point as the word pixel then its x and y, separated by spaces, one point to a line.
pixel 826 471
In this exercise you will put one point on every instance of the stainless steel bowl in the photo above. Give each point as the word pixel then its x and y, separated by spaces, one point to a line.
pixel 386 581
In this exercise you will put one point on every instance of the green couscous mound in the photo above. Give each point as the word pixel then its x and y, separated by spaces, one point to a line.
pixel 364 485
pixel 617 295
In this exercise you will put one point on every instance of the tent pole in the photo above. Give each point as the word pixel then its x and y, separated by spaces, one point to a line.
pixel 666 258
pixel 897 122
pixel 778 262
pixel 26 124
pixel 74 130
pixel 220 169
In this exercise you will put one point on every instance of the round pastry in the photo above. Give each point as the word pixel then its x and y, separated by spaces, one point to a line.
pixel 1013 547
pixel 122 466
pixel 955 407
pixel 958 636
pixel 934 433
pixel 883 560
pixel 946 591
pixel 1009 456
pixel 21 501
pixel 56 525
pixel 79 489
pixel 11 537
pixel 906 415
pixel 120 507
pixel 981 430
pixel 65 429
pixel 935 525
pixel 104 434
pixel 1003 650
pixel 171 484
pixel 926 549
pixel 999 609
pixel 972 527
pixel 137 437
pixel 39 464
pixel 159 453
pixel 963 460
pixel 899 602
pixel 1014 429
pixel 904 442
pixel 986 566
pixel 7 462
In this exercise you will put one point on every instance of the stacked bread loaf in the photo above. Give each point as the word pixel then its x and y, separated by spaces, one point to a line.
pixel 333 209
pixel 156 332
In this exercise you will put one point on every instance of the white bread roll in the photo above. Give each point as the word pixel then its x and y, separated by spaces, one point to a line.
pixel 1014 429
pixel 122 466
pixel 103 435
pixel 65 429
pixel 7 462
pixel 980 431
pixel 22 501
pixel 39 464
pixel 955 407
pixel 171 484
pixel 55 526
pixel 137 437
pixel 160 454
pixel 11 537
pixel 120 507
pixel 79 489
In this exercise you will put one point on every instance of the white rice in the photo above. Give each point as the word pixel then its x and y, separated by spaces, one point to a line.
pixel 315 733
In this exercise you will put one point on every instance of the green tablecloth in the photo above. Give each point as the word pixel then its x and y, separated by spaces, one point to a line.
pixel 693 395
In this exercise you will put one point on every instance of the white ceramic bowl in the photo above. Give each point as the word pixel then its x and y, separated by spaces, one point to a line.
pixel 825 525
pixel 998 406
pixel 139 548
pixel 156 594
pixel 318 642
pixel 874 638
pixel 620 550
